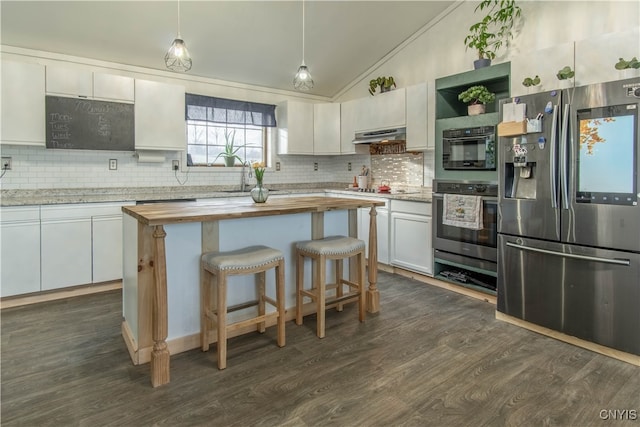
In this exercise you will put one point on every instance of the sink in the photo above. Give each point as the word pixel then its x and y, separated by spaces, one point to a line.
pixel 144 202
pixel 243 192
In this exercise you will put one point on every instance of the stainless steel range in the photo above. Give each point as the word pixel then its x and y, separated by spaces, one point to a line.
pixel 462 255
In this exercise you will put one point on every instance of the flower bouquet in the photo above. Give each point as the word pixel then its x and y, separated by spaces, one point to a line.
pixel 259 193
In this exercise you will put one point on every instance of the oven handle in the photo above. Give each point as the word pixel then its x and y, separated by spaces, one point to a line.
pixel 488 199
pixel 468 138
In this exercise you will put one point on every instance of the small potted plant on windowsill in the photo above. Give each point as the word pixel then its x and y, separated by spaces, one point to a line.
pixel 230 151
pixel 477 97
pixel 385 84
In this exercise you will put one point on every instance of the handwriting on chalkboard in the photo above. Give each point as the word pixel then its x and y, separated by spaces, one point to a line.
pixel 89 124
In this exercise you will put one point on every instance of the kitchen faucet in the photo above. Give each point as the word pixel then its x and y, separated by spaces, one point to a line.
pixel 243 184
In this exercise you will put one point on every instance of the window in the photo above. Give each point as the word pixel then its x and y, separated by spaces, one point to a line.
pixel 214 123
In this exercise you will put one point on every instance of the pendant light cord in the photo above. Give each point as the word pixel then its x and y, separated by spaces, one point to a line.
pixel 179 35
pixel 303 31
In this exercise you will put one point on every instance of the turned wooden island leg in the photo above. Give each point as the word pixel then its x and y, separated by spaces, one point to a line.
pixel 160 323
pixel 373 295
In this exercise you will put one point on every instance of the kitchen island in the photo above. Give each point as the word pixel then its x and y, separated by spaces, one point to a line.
pixel 162 247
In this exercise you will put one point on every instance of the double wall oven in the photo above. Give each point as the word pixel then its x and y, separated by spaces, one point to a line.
pixel 476 250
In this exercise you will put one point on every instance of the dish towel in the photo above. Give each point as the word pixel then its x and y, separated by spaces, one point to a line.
pixel 462 211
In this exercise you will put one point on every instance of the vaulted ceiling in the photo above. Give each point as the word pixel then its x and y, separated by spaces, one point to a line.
pixel 250 42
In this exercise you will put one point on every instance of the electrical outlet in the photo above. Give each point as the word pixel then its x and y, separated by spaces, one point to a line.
pixel 175 165
pixel 113 164
pixel 6 163
pixel 349 166
pixel 278 166
pixel 315 166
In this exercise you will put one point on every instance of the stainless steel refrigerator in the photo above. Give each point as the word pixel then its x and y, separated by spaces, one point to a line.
pixel 568 214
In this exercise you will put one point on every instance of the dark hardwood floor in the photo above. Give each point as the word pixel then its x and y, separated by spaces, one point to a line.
pixel 429 358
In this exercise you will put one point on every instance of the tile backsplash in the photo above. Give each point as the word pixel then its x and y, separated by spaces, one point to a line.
pixel 38 168
pixel 401 170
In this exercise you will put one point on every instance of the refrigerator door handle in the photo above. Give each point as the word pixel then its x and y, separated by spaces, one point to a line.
pixel 564 160
pixel 554 158
pixel 625 262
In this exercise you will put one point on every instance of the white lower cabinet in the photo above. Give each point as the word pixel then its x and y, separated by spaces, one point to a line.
pixel 411 236
pixel 58 246
pixel 19 250
pixel 66 252
pixel 106 248
pixel 382 221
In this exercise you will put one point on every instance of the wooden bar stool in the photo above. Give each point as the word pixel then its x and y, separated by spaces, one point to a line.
pixel 337 248
pixel 216 266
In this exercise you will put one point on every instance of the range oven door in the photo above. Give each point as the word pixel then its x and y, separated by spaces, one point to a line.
pixel 480 244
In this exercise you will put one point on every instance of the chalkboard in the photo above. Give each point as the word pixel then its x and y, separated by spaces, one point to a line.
pixel 87 124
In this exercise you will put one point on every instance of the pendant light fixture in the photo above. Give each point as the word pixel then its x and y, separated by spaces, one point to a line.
pixel 303 80
pixel 178 58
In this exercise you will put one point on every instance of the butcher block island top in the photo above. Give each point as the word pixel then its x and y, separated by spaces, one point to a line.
pixel 172 213
pixel 163 243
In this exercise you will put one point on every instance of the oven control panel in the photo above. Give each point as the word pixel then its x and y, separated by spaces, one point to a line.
pixel 466 187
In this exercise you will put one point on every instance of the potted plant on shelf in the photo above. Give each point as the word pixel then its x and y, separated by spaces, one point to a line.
pixel 385 84
pixel 531 83
pixel 477 97
pixel 229 154
pixel 629 68
pixel 565 75
pixel 494 30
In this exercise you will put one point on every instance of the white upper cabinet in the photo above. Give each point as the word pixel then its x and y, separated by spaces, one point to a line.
pixel 349 111
pixel 23 107
pixel 87 84
pixel 326 128
pixel 159 112
pixel 111 86
pixel 69 82
pixel 417 118
pixel 295 127
pixel 382 111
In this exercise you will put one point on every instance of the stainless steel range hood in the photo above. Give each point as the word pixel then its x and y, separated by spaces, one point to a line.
pixel 374 136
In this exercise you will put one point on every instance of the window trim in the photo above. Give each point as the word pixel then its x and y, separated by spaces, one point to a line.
pixel 237 114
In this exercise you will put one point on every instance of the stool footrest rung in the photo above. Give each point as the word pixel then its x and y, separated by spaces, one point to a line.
pixel 270 301
pixel 253 321
pixel 242 306
pixel 213 313
pixel 350 296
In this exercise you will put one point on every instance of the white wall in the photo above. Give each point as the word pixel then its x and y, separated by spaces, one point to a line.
pixel 440 51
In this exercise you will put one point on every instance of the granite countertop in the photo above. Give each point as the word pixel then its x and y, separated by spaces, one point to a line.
pixel 52 196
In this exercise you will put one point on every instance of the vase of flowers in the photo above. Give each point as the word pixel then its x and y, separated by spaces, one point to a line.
pixel 259 193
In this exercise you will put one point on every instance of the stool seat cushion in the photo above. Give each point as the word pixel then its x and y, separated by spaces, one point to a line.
pixel 333 245
pixel 240 259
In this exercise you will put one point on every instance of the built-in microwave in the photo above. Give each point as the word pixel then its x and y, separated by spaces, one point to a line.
pixel 469 148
